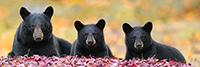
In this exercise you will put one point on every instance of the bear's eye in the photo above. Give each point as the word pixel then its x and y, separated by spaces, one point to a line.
pixel 134 37
pixel 86 33
pixel 41 25
pixel 142 37
pixel 94 33
pixel 33 26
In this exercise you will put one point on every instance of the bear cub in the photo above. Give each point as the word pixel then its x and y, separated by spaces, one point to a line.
pixel 140 44
pixel 34 36
pixel 90 40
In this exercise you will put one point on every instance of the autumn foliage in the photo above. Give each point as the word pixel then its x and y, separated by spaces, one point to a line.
pixel 69 61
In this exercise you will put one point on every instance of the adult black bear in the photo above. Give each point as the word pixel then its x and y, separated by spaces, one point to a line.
pixel 90 40
pixel 34 36
pixel 140 44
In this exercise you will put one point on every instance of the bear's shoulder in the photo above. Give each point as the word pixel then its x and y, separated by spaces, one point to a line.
pixel 164 47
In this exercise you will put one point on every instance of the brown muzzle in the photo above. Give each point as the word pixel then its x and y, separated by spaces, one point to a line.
pixel 38 35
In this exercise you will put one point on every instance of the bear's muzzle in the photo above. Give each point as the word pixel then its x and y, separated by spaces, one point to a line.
pixel 38 35
pixel 90 41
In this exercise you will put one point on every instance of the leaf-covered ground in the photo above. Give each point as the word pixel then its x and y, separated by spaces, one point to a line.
pixel 69 61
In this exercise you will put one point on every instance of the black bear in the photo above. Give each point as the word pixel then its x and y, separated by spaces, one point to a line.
pixel 34 36
pixel 140 44
pixel 90 40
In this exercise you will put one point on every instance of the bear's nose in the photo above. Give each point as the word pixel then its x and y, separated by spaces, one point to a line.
pixel 139 46
pixel 38 38
pixel 90 43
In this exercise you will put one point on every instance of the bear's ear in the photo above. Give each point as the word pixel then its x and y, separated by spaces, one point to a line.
pixel 24 13
pixel 49 11
pixel 101 24
pixel 148 27
pixel 78 25
pixel 127 28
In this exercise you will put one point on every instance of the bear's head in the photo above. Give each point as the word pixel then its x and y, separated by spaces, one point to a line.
pixel 91 35
pixel 138 38
pixel 37 25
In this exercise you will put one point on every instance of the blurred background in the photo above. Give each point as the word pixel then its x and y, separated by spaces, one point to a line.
pixel 175 22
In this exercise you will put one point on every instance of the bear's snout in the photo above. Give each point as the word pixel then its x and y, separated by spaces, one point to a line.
pixel 90 41
pixel 38 35
pixel 138 44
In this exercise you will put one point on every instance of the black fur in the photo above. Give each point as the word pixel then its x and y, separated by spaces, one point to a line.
pixel 151 48
pixel 80 48
pixel 24 42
